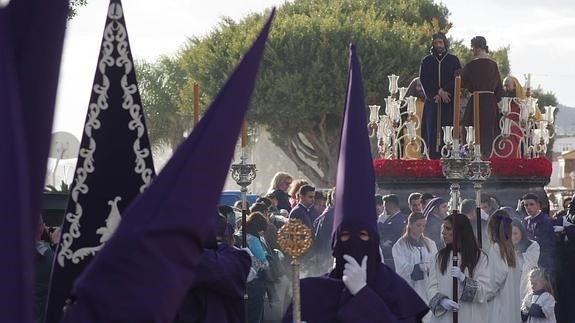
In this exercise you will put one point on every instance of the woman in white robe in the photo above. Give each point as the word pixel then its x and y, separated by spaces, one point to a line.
pixel 413 254
pixel 472 274
pixel 527 254
pixel 503 296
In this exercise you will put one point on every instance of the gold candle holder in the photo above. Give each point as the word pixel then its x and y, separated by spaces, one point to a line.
pixel 294 238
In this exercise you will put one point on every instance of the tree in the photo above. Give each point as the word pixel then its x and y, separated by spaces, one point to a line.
pixel 164 88
pixel 301 87
pixel 544 98
pixel 73 5
pixel 461 50
pixel 300 92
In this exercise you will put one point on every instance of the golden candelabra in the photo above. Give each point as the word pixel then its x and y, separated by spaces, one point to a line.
pixel 294 238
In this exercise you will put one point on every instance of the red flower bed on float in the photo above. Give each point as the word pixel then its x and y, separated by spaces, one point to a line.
pixel 503 167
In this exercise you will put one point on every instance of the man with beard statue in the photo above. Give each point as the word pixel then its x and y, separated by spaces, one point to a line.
pixel 437 75
pixel 360 288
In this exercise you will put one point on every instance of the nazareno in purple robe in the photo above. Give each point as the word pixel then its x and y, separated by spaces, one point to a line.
pixel 386 296
pixel 217 292
pixel 144 271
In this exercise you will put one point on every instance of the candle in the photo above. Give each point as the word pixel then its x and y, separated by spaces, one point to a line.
pixel 393 83
pixel 402 91
pixel 470 135
pixel 411 134
pixel 476 117
pixel 411 105
pixel 447 135
pixel 374 113
pixel 244 133
pixel 550 113
pixel 196 103
pixel 456 107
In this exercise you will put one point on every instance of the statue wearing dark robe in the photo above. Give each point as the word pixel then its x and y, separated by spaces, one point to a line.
pixel 437 71
pixel 482 74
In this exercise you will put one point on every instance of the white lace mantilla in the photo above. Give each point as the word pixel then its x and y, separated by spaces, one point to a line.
pixel 115 31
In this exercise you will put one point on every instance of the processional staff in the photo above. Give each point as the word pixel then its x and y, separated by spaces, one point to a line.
pixel 294 238
pixel 454 259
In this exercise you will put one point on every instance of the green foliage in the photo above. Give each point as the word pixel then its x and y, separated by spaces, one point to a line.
pixel 166 94
pixel 300 91
pixel 301 87
pixel 63 189
pixel 545 98
pixel 501 55
pixel 73 5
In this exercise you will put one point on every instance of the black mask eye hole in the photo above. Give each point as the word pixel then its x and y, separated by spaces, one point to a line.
pixel 344 236
pixel 364 235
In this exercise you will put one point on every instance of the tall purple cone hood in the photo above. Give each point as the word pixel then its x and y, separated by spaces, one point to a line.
pixel 144 271
pixel 355 183
pixel 31 40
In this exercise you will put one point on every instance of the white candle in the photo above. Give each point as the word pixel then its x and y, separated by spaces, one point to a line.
pixel 470 139
pixel 388 104
pixel 396 115
pixel 550 114
pixel 402 91
pixel 393 83
pixel 411 108
pixel 448 134
pixel 373 113
pixel 533 106
pixel 411 130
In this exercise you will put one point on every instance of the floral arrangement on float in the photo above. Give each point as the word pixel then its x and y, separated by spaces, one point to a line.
pixel 431 168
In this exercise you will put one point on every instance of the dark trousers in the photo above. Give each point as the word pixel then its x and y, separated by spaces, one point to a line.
pixel 256 293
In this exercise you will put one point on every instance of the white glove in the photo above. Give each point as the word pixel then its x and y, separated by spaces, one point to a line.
pixel 354 275
pixel 558 228
pixel 387 243
pixel 449 305
pixel 484 215
pixel 456 272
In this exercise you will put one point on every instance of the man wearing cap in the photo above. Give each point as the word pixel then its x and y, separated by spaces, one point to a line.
pixel 481 75
pixel 437 75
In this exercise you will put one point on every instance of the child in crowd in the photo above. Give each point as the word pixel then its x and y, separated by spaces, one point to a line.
pixel 539 305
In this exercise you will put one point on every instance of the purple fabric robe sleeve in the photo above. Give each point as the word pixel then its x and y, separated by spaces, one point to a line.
pixel 225 271
pixel 367 307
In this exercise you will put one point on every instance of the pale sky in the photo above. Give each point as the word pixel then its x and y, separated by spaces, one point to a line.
pixel 539 33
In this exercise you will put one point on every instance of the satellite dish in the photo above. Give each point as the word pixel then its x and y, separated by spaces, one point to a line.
pixel 64 146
